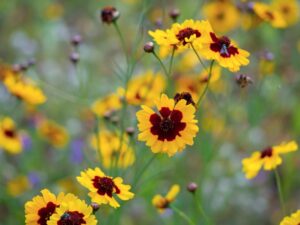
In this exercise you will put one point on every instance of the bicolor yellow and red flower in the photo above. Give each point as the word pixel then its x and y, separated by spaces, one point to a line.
pixel 162 203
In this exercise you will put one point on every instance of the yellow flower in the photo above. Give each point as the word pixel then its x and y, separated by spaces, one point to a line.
pixel 73 211
pixel 269 14
pixel 288 9
pixel 103 188
pixel 40 208
pixel 171 128
pixel 269 158
pixel 6 71
pixel 25 89
pixel 181 36
pixel 225 52
pixel 111 153
pixel 143 88
pixel 294 219
pixel 162 203
pixel 18 186
pixel 223 15
pixel 54 11
pixel 10 140
pixel 107 105
pixel 53 133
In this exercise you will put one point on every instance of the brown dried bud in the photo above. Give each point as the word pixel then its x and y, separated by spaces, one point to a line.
pixel 74 57
pixel 76 40
pixel 243 80
pixel 109 14
pixel 95 207
pixel 192 187
pixel 174 14
pixel 186 96
pixel 149 47
pixel 130 131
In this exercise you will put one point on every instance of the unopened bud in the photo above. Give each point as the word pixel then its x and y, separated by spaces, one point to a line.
pixel 109 14
pixel 74 57
pixel 114 119
pixel 174 14
pixel 243 80
pixel 186 96
pixel 16 68
pixel 23 66
pixel 76 40
pixel 149 47
pixel 130 131
pixel 95 207
pixel 192 187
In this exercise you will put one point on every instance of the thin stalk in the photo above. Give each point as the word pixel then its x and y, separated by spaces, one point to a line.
pixel 199 58
pixel 122 41
pixel 280 192
pixel 161 64
pixel 207 84
pixel 182 215
pixel 200 209
pixel 142 171
pixel 97 138
pixel 171 63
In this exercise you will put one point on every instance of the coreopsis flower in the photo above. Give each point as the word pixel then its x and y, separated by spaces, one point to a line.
pixel 10 139
pixel 42 207
pixel 107 105
pixel 103 188
pixel 222 15
pixel 73 211
pixel 269 158
pixel 169 129
pixel 25 90
pixel 18 185
pixel 225 52
pixel 294 219
pixel 267 13
pixel 112 154
pixel 143 88
pixel 6 71
pixel 162 203
pixel 288 9
pixel 181 36
pixel 52 132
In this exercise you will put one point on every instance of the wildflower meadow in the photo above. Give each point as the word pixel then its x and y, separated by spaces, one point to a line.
pixel 135 112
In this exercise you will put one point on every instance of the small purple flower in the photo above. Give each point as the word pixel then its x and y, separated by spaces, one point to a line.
pixel 76 155
pixel 26 142
pixel 34 179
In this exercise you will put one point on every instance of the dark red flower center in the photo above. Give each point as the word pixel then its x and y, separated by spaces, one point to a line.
pixel 10 133
pixel 105 185
pixel 267 152
pixel 270 15
pixel 220 16
pixel 187 33
pixel 71 218
pixel 167 125
pixel 223 46
pixel 46 212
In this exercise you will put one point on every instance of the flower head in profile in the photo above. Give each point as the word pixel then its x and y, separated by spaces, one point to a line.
pixel 112 154
pixel 41 207
pixel 162 203
pixel 103 188
pixel 107 105
pixel 269 14
pixel 143 88
pixel 25 89
pixel 73 211
pixel 269 158
pixel 10 139
pixel 54 133
pixel 181 36
pixel 223 15
pixel 225 52
pixel 288 9
pixel 294 219
pixel 170 128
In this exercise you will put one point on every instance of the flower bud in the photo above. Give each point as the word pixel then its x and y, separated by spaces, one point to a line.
pixel 74 57
pixel 186 96
pixel 130 131
pixel 174 14
pixel 149 47
pixel 243 80
pixel 109 14
pixel 95 207
pixel 76 40
pixel 192 187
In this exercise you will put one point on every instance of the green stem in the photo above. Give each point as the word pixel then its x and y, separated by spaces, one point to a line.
pixel 162 65
pixel 122 41
pixel 97 139
pixel 182 215
pixel 171 62
pixel 139 175
pixel 199 58
pixel 207 84
pixel 200 209
pixel 280 192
